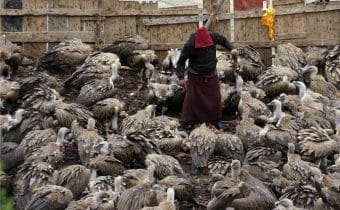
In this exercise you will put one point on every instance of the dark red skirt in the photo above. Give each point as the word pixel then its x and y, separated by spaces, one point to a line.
pixel 202 102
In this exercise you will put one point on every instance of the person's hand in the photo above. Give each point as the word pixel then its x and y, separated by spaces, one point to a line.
pixel 182 82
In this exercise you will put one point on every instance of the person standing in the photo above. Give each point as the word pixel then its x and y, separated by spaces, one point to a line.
pixel 202 102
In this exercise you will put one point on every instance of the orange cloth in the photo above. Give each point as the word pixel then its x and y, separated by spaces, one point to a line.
pixel 268 19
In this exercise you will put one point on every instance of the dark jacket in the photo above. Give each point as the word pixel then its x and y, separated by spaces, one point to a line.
pixel 201 60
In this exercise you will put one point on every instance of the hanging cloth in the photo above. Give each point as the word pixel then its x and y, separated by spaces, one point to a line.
pixel 268 20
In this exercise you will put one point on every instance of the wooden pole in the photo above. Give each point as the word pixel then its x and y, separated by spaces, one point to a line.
pixel 214 13
pixel 200 20
pixel 232 22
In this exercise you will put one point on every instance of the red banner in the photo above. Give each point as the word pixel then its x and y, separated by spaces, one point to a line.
pixel 247 4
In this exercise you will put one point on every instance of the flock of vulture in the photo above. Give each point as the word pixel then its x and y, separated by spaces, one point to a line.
pixel 99 130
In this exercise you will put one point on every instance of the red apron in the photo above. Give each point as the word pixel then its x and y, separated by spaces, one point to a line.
pixel 202 102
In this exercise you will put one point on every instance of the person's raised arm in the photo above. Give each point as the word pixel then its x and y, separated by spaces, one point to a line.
pixel 221 40
pixel 180 70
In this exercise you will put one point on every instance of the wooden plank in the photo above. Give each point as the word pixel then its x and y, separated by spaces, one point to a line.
pixel 232 21
pixel 282 11
pixel 223 27
pixel 31 24
pixel 263 31
pixel 294 35
pixel 240 29
pixel 146 6
pixel 313 21
pixel 93 12
pixel 110 4
pixel 51 36
pixel 88 4
pixel 265 44
pixel 299 22
pixel 74 23
pixel 251 30
pixel 330 25
pixel 172 20
pixel 296 42
pixel 208 4
pixel 34 49
pixel 57 23
pixel 128 4
pixel 88 23
pixel 238 15
pixel 1 6
pixel 113 29
pixel 286 2
pixel 34 24
pixel 130 25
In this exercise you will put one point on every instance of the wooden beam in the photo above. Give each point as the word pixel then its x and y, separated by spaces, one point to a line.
pixel 296 42
pixel 281 11
pixel 294 35
pixel 214 13
pixel 49 36
pixel 264 44
pixel 241 15
pixel 286 2
pixel 232 22
pixel 94 12
pixel 172 20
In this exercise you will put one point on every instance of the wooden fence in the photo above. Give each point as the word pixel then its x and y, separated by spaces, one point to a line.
pixel 40 24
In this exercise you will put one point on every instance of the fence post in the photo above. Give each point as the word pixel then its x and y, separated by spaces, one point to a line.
pixel 232 21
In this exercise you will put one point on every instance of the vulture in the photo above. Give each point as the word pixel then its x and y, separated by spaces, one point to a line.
pixel 98 65
pixel 5 181
pixel 141 195
pixel 316 56
pixel 291 56
pixel 169 63
pixel 318 83
pixel 316 144
pixel 276 80
pixel 203 141
pixel 134 52
pixel 99 89
pixel 168 204
pixel 248 106
pixel 109 109
pixel 225 66
pixel 9 91
pixel 125 47
pixel 332 67
pixel 28 178
pixel 141 120
pixel 249 62
pixel 184 188
pixel 329 190
pixel 65 57
pixel 166 165
pixel 74 177
pixel 12 155
pixel 50 197
pixel 296 169
pixel 285 204
pixel 86 139
pixel 38 138
pixel 66 113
